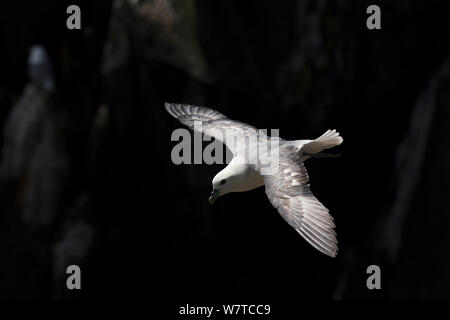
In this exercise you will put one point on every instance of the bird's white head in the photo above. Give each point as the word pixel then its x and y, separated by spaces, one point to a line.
pixel 224 182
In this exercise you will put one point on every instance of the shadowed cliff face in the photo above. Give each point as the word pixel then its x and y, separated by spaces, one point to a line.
pixel 86 176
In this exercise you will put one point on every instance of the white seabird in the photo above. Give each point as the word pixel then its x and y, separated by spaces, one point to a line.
pixel 287 188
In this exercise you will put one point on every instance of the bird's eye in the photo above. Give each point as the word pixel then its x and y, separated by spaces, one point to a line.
pixel 222 182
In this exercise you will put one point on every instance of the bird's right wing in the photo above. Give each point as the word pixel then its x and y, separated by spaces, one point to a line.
pixel 212 123
pixel 288 191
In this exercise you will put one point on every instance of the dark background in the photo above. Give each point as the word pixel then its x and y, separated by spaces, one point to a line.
pixel 86 176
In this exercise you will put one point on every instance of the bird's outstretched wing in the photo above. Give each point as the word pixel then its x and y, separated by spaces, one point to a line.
pixel 288 191
pixel 213 124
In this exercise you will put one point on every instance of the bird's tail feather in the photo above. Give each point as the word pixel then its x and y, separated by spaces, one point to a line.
pixel 329 139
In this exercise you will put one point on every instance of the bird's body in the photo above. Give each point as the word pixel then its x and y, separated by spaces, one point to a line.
pixel 286 183
pixel 247 178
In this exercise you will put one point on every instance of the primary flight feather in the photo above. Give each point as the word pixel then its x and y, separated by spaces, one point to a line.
pixel 287 187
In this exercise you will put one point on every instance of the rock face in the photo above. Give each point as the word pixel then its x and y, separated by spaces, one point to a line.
pixel 86 176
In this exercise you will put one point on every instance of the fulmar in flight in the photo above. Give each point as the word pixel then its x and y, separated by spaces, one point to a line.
pixel 287 187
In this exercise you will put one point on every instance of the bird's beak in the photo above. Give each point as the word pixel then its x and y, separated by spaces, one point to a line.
pixel 213 196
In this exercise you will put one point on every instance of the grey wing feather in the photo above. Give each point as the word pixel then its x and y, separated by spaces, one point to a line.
pixel 187 114
pixel 213 123
pixel 288 191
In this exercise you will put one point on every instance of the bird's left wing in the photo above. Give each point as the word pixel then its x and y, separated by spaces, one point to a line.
pixel 288 191
pixel 212 123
